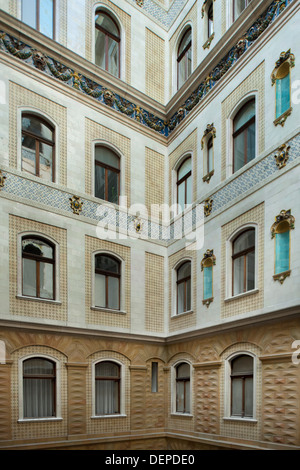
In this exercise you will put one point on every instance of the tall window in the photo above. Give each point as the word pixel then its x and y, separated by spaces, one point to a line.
pixel 107 388
pixel 244 135
pixel 38 141
pixel 184 183
pixel 210 155
pixel 282 248
pixel 107 43
pixel 39 379
pixel 184 58
pixel 38 263
pixel 40 14
pixel 238 7
pixel 283 89
pixel 210 19
pixel 184 287
pixel 183 404
pixel 242 386
pixel 107 174
pixel 243 262
pixel 107 282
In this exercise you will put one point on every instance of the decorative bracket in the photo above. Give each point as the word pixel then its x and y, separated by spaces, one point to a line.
pixel 281 119
pixel 208 206
pixel 210 130
pixel 282 276
pixel 208 255
pixel 76 204
pixel 138 224
pixel 207 43
pixel 2 179
pixel 282 156
pixel 283 216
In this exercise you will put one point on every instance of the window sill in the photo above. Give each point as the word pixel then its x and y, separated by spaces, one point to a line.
pixel 240 296
pixel 182 314
pixel 108 416
pixel 36 299
pixel 182 415
pixel 207 177
pixel 281 119
pixel 240 420
pixel 38 420
pixel 108 310
pixel 282 276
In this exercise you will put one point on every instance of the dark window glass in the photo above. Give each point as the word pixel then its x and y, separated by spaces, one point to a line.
pixel 107 174
pixel 107 282
pixel 39 378
pixel 107 43
pixel 183 388
pixel 184 58
pixel 184 184
pixel 243 262
pixel 242 386
pixel 184 287
pixel 107 388
pixel 244 136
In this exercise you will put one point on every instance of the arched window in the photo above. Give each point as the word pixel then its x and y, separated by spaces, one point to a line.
pixel 184 58
pixel 283 89
pixel 243 262
pixel 107 281
pixel 244 135
pixel 39 14
pixel 184 183
pixel 107 174
pixel 184 287
pixel 183 404
pixel 107 43
pixel 210 19
pixel 38 141
pixel 39 388
pixel 38 268
pixel 238 7
pixel 242 386
pixel 107 388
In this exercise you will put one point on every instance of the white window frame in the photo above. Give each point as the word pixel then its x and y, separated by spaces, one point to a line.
pixel 174 388
pixel 175 168
pixel 174 287
pixel 57 389
pixel 227 387
pixel 122 388
pixel 183 30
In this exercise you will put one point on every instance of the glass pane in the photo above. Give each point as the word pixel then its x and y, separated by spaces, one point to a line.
pixel 37 127
pixel 38 398
pixel 46 164
pixel 244 241
pixel 250 270
pixel 113 293
pixel 187 397
pixel 181 196
pixel 46 281
pixel 282 95
pixel 188 183
pixel 188 296
pixel 107 156
pixel 29 277
pixel 239 151
pixel 249 397
pixel 180 397
pixel 154 377
pixel 100 296
pixel 113 57
pixel 184 169
pixel 100 48
pixel 37 247
pixel 282 247
pixel 242 364
pixel 180 297
pixel 238 276
pixel 185 41
pixel 183 370
pixel 237 397
pixel 106 263
pixel 113 186
pixel 99 182
pixel 38 365
pixel 210 158
pixel 46 17
pixel 184 271
pixel 239 6
pixel 29 12
pixel 29 154
pixel 244 115
pixel 250 142
pixel 107 369
pixel 208 282
pixel 107 397
pixel 107 23
pixel 181 72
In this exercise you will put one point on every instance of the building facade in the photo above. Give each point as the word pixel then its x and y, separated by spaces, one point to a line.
pixel 149 209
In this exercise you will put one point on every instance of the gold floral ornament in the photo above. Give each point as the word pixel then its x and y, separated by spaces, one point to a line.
pixel 208 206
pixel 282 156
pixel 210 130
pixel 76 204
pixel 208 259
pixel 284 216
pixel 138 224
pixel 284 57
pixel 2 179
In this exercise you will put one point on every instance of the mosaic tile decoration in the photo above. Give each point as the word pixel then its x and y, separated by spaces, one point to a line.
pixel 98 92
pixel 53 198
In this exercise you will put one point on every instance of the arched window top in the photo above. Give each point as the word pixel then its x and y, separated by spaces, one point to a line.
pixel 184 57
pixel 107 264
pixel 244 241
pixel 183 371
pixel 37 126
pixel 185 42
pixel 107 369
pixel 184 168
pixel 242 365
pixel 107 24
pixel 184 271
pixel 244 115
pixel 107 156
pixel 37 247
pixel 38 366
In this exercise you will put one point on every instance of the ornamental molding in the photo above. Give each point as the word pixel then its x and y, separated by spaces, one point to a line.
pixel 207 43
pixel 210 130
pixel 204 7
pixel 282 156
pixel 284 216
pixel 281 119
pixel 208 206
pixel 284 57
pixel 76 204
pixel 208 255
pixel 282 276
pixel 2 179
pixel 74 79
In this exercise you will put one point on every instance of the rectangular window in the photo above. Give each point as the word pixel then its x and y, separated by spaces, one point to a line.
pixel 208 288
pixel 154 377
pixel 282 95
pixel 282 247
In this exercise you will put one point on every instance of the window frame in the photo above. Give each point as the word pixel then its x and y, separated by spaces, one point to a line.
pixel 233 9
pixel 108 274
pixel 241 130
pixel 210 21
pixel 183 180
pixel 180 57
pixel 38 260
pixel 243 254
pixel 108 34
pixel 287 111
pixel 185 281
pixel 37 18
pixel 106 169
pixel 278 231
pixel 174 387
pixel 109 378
